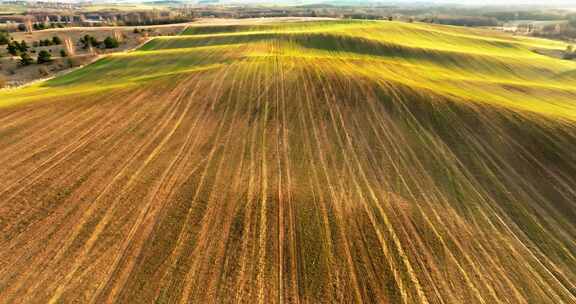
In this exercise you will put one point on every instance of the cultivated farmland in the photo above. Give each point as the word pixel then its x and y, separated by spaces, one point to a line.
pixel 295 162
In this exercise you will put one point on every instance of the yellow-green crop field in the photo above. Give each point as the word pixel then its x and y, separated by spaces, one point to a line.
pixel 295 162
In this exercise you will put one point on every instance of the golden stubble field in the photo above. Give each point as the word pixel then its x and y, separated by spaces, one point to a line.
pixel 316 162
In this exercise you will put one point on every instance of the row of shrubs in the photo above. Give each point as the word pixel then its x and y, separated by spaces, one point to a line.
pixel 48 42
pixel 91 41
pixel 40 26
pixel 43 57
pixel 22 48
pixel 16 48
pixel 43 26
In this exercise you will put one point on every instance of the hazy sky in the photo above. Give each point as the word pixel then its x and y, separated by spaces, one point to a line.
pixel 562 3
pixel 557 3
pixel 567 3
pixel 504 2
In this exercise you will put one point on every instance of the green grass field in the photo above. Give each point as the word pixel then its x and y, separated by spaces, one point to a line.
pixel 301 162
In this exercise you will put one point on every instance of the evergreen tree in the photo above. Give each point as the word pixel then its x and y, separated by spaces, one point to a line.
pixel 44 57
pixel 89 41
pixel 56 40
pixel 4 38
pixel 111 43
pixel 13 49
pixel 25 59
pixel 22 46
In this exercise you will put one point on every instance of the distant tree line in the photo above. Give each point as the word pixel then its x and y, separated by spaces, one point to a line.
pixel 570 53
pixel 524 15
pixel 464 21
pixel 561 31
pixel 157 21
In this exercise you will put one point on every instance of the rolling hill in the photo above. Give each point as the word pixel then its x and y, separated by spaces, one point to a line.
pixel 295 162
